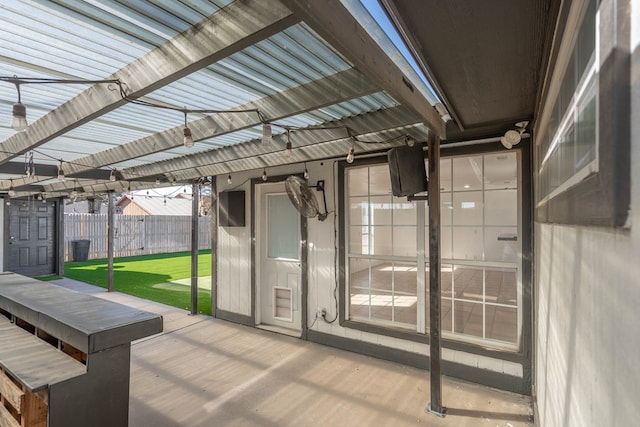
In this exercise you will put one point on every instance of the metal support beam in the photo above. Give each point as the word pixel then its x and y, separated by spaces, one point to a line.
pixel 335 24
pixel 213 212
pixel 435 351
pixel 195 210
pixel 376 125
pixel 110 241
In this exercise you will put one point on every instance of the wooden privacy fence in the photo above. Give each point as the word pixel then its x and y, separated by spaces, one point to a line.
pixel 134 234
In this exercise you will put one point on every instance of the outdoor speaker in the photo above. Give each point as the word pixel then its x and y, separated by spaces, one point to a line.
pixel 231 209
pixel 408 173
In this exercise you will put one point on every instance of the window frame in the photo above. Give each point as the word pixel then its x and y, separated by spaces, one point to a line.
pixel 522 354
pixel 600 194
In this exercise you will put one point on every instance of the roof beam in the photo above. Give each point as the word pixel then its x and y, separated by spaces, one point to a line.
pixel 192 165
pixel 333 22
pixel 339 87
pixel 227 31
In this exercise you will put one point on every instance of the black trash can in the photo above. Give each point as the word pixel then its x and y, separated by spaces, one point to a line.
pixel 80 249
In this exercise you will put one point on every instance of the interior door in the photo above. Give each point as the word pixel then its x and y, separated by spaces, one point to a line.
pixel 279 269
pixel 32 238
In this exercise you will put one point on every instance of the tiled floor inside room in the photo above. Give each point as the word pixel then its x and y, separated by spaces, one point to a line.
pixel 208 372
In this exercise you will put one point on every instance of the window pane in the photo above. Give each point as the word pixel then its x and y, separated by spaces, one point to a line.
pixel 446 242
pixel 381 208
pixel 404 213
pixel 359 274
pixel 467 283
pixel 381 275
pixel 467 208
pixel 501 286
pixel 359 240
pixel 380 180
pixel 502 323
pixel 359 210
pixel 586 131
pixel 467 173
pixel 445 174
pixel 500 171
pixel 447 314
pixel 467 243
pixel 380 240
pixel 467 318
pixel 501 207
pixel 501 244
pixel 404 241
pixel 358 181
pixel 446 210
pixel 283 228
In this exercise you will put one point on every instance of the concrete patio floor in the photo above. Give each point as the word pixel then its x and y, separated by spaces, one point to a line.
pixel 207 372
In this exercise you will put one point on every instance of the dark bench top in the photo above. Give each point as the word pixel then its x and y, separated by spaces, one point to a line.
pixel 32 361
pixel 86 322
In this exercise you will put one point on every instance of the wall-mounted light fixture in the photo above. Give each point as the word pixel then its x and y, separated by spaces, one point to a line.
pixel 513 137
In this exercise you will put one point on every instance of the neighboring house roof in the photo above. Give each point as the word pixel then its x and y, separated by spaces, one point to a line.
pixel 158 205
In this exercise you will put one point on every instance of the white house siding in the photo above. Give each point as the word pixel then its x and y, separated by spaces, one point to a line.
pixel 234 271
pixel 588 305
pixel 234 254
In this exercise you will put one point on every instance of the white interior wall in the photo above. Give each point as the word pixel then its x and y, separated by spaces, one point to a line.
pixel 588 300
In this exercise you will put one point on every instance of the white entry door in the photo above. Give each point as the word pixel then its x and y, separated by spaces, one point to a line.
pixel 279 269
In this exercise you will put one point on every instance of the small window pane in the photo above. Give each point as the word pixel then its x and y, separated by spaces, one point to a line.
pixel 467 243
pixel 381 208
pixel 501 244
pixel 445 174
pixel 501 286
pixel 502 323
pixel 359 273
pixel 446 210
pixel 467 208
pixel 468 319
pixel 404 212
pixel 380 240
pixel 404 241
pixel 500 171
pixel 358 181
pixel 359 240
pixel 381 275
pixel 380 180
pixel 283 228
pixel 501 207
pixel 468 283
pixel 359 210
pixel 467 173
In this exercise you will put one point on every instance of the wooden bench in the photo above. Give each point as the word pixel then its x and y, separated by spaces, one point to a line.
pixel 65 356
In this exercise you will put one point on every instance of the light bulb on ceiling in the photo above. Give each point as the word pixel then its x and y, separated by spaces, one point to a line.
pixel 264 175
pixel 19 120
pixel 7 201
pixel 229 181
pixel 60 172
pixel 266 133
pixel 11 192
pixel 351 155
pixel 157 181
pixel 112 175
pixel 288 150
pixel 410 141
pixel 306 172
pixel 187 139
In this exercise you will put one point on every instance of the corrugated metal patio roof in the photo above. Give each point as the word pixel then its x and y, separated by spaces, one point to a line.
pixel 192 54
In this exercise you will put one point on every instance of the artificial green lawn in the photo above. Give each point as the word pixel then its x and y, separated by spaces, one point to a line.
pixel 149 277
